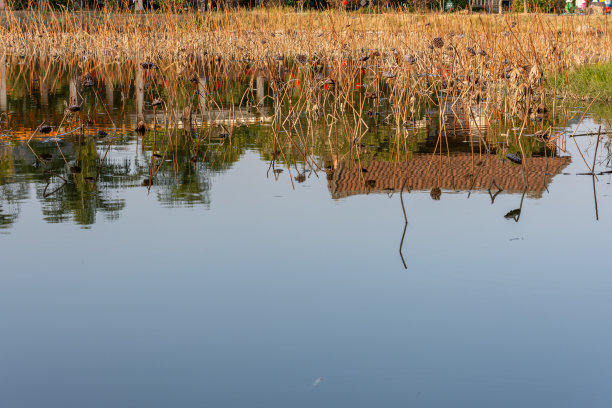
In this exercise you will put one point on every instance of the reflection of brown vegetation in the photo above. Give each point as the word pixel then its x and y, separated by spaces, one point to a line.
pixel 460 172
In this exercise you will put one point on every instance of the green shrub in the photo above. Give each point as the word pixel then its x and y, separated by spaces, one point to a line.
pixel 545 6
pixel 24 4
pixel 306 3
pixel 461 4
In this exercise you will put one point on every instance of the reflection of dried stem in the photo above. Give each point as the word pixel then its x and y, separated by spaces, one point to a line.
pixel 405 222
pixel 45 194
pixel 575 130
pixel 499 190
pixel 516 214
pixel 593 169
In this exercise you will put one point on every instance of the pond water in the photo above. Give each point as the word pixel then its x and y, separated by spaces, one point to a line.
pixel 210 269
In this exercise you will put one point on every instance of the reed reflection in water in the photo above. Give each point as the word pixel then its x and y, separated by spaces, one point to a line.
pixel 194 126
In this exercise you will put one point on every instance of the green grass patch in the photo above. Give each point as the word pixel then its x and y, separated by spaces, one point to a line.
pixel 586 82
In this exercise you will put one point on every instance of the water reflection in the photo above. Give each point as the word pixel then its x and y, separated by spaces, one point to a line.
pixel 457 172
pixel 203 126
pixel 3 100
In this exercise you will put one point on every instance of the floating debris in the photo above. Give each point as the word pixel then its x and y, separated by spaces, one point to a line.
pixel 514 158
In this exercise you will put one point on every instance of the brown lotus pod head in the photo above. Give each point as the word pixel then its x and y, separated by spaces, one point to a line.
pixel 435 193
pixel 438 42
